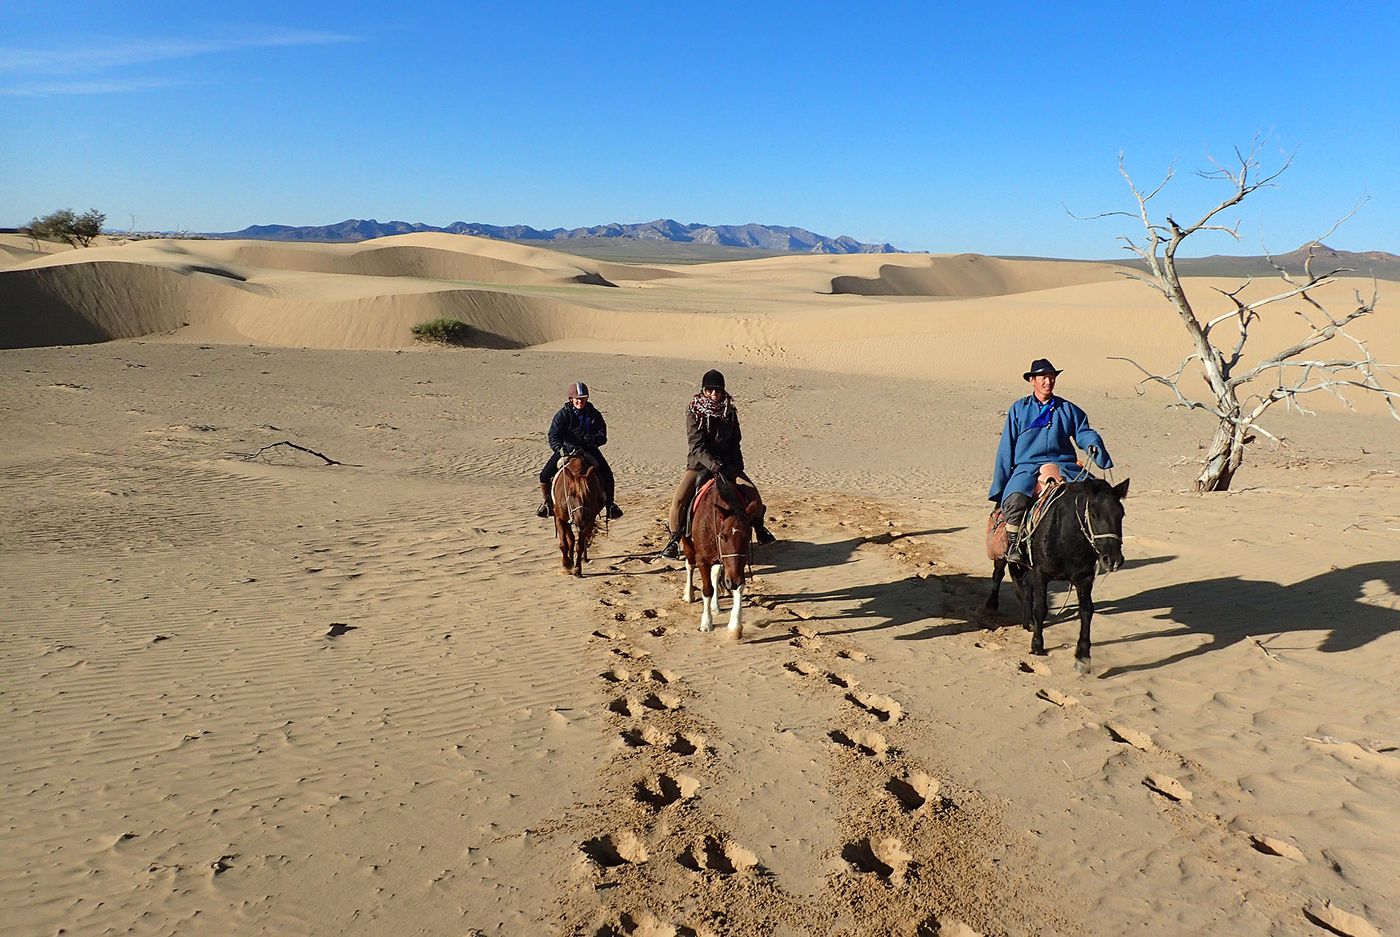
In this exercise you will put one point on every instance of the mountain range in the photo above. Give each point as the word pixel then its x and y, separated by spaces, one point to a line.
pixel 760 236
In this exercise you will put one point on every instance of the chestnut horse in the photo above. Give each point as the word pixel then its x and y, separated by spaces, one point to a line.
pixel 717 544
pixel 578 497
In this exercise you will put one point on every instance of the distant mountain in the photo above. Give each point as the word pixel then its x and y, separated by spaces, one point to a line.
pixel 762 237
pixel 1379 264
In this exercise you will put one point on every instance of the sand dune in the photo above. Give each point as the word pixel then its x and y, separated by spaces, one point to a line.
pixel 251 692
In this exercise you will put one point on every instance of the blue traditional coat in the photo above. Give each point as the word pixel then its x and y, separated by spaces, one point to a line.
pixel 1034 437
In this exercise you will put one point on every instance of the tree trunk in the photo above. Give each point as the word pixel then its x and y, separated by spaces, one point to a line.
pixel 1223 458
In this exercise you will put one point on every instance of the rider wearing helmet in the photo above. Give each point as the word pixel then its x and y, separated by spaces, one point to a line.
pixel 577 429
pixel 1040 430
pixel 712 431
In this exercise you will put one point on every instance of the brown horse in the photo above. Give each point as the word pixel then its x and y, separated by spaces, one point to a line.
pixel 717 544
pixel 578 497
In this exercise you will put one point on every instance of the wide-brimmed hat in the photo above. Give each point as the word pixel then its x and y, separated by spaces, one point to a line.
pixel 578 389
pixel 1041 366
pixel 712 379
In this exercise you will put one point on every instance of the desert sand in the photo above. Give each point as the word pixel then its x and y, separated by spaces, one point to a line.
pixel 249 692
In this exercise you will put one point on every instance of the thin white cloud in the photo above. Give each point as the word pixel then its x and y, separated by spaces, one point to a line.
pixel 114 86
pixel 127 52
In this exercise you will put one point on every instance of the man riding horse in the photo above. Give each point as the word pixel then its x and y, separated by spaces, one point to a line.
pixel 712 431
pixel 577 429
pixel 1040 430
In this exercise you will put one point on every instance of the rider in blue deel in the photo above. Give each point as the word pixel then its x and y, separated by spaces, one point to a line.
pixel 577 429
pixel 1040 429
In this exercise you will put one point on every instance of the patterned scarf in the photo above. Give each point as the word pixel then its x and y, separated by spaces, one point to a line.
pixel 706 409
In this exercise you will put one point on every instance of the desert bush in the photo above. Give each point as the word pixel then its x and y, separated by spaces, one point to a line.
pixel 444 331
pixel 67 226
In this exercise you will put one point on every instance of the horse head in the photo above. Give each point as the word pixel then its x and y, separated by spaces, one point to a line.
pixel 734 529
pixel 1101 520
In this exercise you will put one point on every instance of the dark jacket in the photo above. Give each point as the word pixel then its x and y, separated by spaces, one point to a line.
pixel 713 442
pixel 573 429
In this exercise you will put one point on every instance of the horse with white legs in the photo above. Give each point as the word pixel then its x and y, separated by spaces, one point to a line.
pixel 717 544
pixel 578 497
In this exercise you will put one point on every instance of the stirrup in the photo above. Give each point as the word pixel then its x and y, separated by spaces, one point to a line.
pixel 544 510
pixel 672 550
pixel 614 512
pixel 764 535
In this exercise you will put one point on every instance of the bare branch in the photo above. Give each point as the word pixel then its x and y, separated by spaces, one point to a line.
pixel 292 445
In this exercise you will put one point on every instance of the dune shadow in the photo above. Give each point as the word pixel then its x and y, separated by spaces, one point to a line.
pixel 1230 609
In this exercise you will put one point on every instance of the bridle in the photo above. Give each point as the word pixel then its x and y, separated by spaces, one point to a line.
pixel 1086 527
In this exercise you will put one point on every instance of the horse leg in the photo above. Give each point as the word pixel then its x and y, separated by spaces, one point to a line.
pixel 688 590
pixel 998 573
pixel 579 540
pixel 716 580
pixel 1023 597
pixel 736 627
pixel 1084 588
pixel 1040 607
pixel 707 589
pixel 566 543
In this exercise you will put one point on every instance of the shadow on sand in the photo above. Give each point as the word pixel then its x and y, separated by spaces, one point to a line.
pixel 1230 610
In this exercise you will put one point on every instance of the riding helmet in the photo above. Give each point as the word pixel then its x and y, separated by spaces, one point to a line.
pixel 578 389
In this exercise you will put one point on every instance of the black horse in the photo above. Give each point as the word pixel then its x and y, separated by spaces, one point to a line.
pixel 1080 535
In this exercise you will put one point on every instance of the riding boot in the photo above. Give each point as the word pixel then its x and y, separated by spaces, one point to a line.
pixel 614 512
pixel 546 508
pixel 1015 547
pixel 672 550
pixel 762 534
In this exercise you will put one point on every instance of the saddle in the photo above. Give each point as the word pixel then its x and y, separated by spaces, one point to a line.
pixel 1049 481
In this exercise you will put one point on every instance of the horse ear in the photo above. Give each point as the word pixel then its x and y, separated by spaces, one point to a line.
pixel 1121 490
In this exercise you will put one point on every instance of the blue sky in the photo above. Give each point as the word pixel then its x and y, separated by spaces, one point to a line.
pixel 941 127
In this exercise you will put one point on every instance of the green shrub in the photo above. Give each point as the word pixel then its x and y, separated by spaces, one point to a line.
pixel 445 331
pixel 68 226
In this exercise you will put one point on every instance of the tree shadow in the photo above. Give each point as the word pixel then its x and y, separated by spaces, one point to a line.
pixel 1230 609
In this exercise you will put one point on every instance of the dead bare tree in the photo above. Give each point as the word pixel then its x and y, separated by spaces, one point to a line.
pixel 1241 393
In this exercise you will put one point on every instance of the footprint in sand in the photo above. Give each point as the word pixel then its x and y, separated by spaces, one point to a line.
pixel 870 744
pixel 682 744
pixel 662 676
pixel 723 858
pixel 608 634
pixel 1056 697
pixel 914 791
pixel 622 706
pixel 666 790
pixel 616 675
pixel 1033 666
pixel 658 631
pixel 664 702
pixel 1338 921
pixel 1168 787
pixel 1272 846
pixel 801 667
pixel 853 655
pixel 881 707
pixel 844 680
pixel 630 653
pixel 623 847
pixel 1121 733
pixel 885 858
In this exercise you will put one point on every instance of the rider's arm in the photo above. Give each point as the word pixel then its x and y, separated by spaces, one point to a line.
pixel 556 431
pixel 1004 463
pixel 738 452
pixel 1088 438
pixel 599 437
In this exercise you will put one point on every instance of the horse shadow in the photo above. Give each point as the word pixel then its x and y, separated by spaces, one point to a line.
pixel 1230 609
pixel 877 606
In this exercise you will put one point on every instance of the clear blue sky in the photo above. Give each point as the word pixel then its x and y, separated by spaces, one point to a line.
pixel 936 126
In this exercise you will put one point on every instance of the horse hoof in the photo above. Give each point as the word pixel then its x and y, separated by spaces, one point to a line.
pixel 1083 666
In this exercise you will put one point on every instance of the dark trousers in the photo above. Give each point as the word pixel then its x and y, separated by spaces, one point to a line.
pixel 595 456
pixel 1014 508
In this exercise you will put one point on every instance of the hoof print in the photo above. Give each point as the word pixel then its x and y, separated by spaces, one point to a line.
pixel 685 745
pixel 667 790
pixel 616 675
pixel 607 634
pixel 801 667
pixel 870 744
pixel 615 849
pixel 946 927
pixel 915 791
pixel 1168 787
pixel 649 735
pixel 1121 733
pixel 1033 666
pixel 662 676
pixel 1055 696
pixel 844 680
pixel 661 701
pixel 853 655
pixel 881 707
pixel 622 706
pixel 722 858
pixel 1271 846
pixel 885 858
pixel 1338 921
